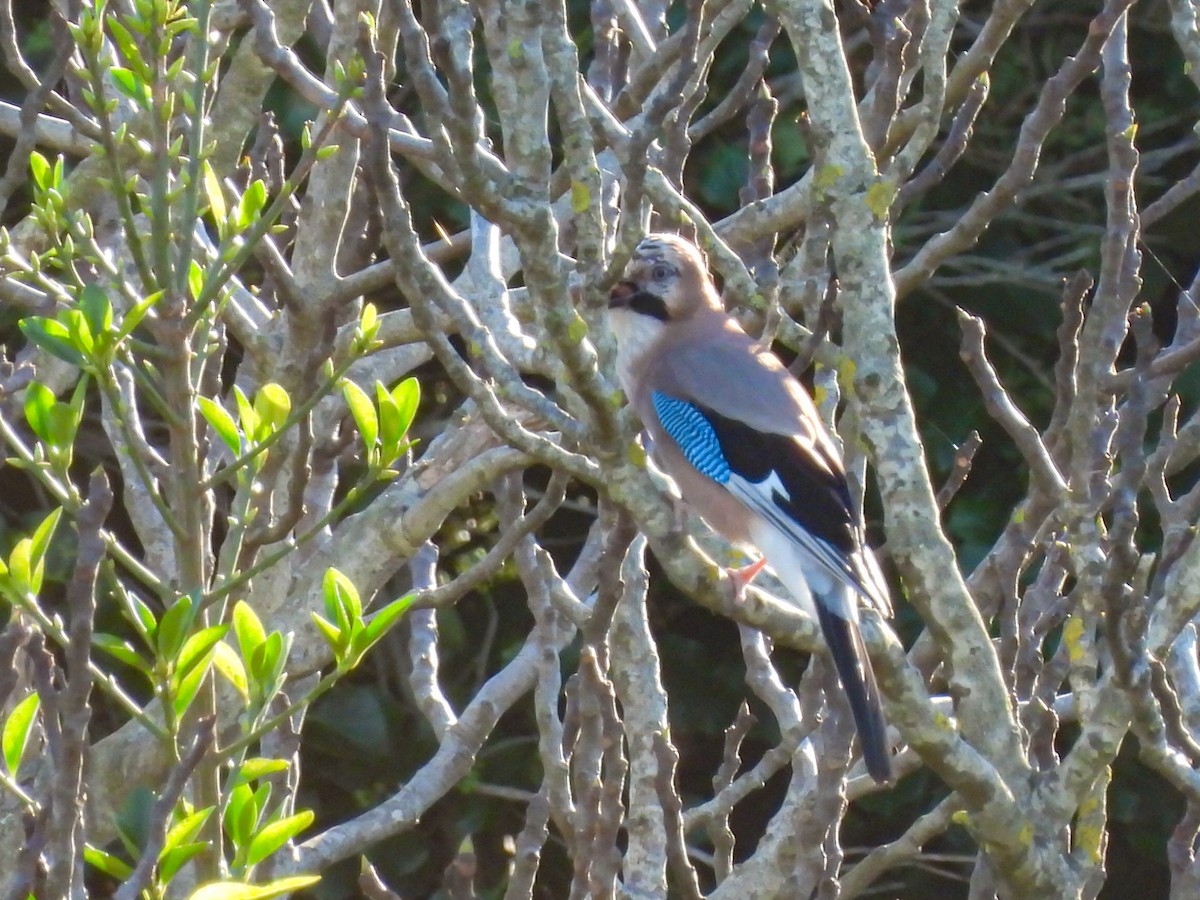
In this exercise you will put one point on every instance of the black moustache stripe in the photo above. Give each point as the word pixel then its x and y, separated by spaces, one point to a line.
pixel 646 304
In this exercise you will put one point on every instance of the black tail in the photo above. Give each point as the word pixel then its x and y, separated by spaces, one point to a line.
pixel 858 681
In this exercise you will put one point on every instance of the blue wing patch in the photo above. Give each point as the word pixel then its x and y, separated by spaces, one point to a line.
pixel 694 434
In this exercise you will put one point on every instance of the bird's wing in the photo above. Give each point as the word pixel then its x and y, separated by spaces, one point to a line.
pixel 736 377
pixel 788 473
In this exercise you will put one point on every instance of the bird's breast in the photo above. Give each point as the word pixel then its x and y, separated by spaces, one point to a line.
pixel 636 336
pixel 724 513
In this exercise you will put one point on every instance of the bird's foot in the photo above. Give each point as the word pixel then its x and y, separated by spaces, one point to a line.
pixel 742 577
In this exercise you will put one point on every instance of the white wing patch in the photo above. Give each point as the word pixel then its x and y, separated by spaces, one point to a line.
pixel 821 563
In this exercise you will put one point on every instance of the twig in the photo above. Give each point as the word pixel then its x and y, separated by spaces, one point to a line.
pixel 719 831
pixel 757 55
pixel 423 647
pixel 960 469
pixel 950 151
pixel 1046 114
pixel 65 826
pixel 372 885
pixel 1001 407
pixel 164 806
pixel 686 881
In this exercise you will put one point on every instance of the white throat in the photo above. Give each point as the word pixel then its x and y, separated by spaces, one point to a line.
pixel 636 334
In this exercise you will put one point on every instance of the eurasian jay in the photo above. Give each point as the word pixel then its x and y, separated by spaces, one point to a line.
pixel 742 440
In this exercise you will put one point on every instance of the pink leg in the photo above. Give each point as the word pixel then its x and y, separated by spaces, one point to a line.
pixel 743 576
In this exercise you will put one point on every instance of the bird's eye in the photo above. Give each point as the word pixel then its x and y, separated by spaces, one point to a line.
pixel 661 272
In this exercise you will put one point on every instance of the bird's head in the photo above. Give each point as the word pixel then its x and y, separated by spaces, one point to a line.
pixel 665 281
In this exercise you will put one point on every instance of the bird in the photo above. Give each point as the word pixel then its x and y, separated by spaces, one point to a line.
pixel 742 440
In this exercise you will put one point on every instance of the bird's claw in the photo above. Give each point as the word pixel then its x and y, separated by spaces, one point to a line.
pixel 743 575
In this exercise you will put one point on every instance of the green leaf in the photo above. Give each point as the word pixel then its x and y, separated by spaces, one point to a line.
pixel 229 664
pixel 78 331
pixel 39 168
pixel 216 197
pixel 246 413
pixel 389 422
pixel 55 202
pixel 17 728
pixel 127 82
pixel 134 317
pixel 381 622
pixel 250 206
pixel 51 336
pixel 368 322
pixel 42 535
pixel 407 395
pixel 27 562
pixel 62 423
pixel 259 767
pixel 20 566
pixel 268 659
pixel 247 820
pixel 195 280
pixel 182 24
pixel 120 649
pixel 341 600
pixel 363 412
pixel 337 641
pixel 344 593
pixel 275 835
pixel 240 890
pixel 129 48
pixel 74 409
pixel 186 829
pixel 174 859
pixel 188 685
pixel 39 400
pixel 96 309
pixel 222 423
pixel 173 628
pixel 273 406
pixel 248 628
pixel 197 646
pixel 110 865
pixel 233 819
pixel 139 614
